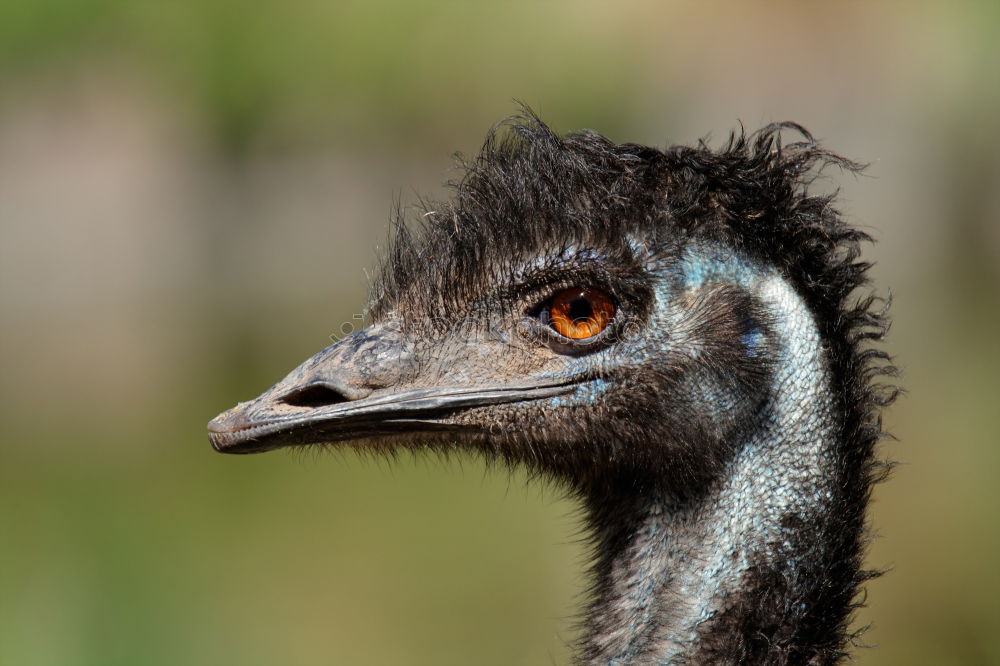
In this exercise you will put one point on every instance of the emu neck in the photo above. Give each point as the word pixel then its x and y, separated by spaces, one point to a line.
pixel 734 575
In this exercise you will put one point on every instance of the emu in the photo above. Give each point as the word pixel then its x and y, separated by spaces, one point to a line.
pixel 675 336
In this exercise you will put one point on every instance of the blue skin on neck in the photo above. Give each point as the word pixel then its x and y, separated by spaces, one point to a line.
pixel 768 479
pixel 752 338
pixel 701 265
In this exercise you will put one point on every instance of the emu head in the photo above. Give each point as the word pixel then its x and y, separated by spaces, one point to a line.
pixel 583 308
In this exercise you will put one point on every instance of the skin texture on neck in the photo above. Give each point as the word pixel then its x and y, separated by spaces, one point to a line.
pixel 681 564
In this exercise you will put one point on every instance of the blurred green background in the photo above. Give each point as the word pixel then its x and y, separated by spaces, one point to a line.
pixel 191 191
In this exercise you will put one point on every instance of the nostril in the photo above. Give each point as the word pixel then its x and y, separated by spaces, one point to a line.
pixel 317 395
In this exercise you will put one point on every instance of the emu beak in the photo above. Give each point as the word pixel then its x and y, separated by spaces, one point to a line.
pixel 351 390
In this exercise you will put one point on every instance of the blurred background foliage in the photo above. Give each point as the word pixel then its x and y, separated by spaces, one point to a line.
pixel 191 191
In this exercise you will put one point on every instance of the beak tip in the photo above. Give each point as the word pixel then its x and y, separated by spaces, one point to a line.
pixel 230 432
pixel 220 431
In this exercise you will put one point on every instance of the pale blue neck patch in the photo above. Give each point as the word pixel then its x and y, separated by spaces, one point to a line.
pixel 702 264
pixel 751 340
pixel 784 467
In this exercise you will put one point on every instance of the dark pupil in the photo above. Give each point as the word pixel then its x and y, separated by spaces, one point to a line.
pixel 580 309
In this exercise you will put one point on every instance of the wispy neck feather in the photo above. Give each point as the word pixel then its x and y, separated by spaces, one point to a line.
pixel 705 580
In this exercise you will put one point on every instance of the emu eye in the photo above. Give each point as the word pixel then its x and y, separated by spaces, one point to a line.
pixel 580 312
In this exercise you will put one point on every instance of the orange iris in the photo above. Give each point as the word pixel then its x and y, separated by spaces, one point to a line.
pixel 579 312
